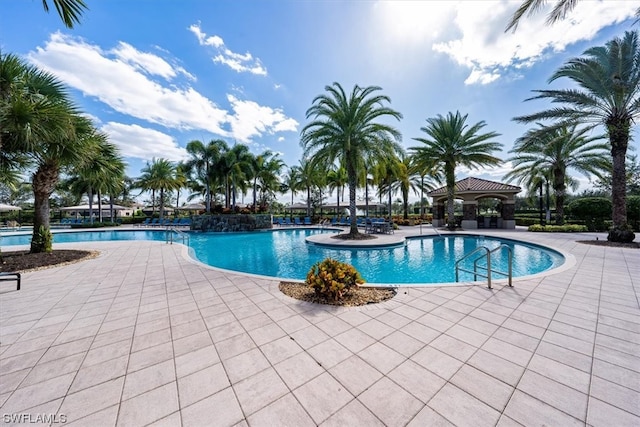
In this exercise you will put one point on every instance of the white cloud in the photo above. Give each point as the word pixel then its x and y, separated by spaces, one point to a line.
pixel 122 78
pixel 471 33
pixel 281 139
pixel 251 119
pixel 481 44
pixel 143 143
pixel 125 88
pixel 145 62
pixel 241 63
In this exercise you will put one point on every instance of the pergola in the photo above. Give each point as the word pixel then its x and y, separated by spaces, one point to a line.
pixel 470 190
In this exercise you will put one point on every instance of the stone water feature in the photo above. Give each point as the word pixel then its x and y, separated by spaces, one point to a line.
pixel 223 223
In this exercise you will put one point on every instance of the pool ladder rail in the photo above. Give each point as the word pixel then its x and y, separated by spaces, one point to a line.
pixel 487 271
pixel 171 232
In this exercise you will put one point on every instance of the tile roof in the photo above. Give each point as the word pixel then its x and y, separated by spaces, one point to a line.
pixel 475 185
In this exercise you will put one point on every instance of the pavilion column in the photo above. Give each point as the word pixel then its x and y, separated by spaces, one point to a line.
pixel 508 214
pixel 469 211
pixel 438 213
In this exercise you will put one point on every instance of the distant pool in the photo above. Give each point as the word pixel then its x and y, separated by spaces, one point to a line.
pixel 285 254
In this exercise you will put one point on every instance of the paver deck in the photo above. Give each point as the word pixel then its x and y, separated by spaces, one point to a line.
pixel 141 335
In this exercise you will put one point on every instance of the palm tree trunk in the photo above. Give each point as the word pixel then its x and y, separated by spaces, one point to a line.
pixel 559 189
pixel 161 204
pixel 619 138
pixel 451 184
pixel 255 184
pixel 99 206
pixel 44 183
pixel 90 196
pixel 353 182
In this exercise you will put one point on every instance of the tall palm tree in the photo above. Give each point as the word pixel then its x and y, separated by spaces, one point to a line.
pixel 423 177
pixel 238 166
pixel 202 161
pixel 558 13
pixel 268 178
pixel 265 168
pixel 291 181
pixel 403 182
pixel 345 128
pixel 309 178
pixel 160 175
pixel 451 142
pixel 385 173
pixel 337 179
pixel 607 94
pixel 552 152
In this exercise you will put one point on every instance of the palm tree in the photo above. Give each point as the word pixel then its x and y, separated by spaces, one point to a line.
pixel 552 152
pixel 385 173
pixel 421 172
pixel 265 168
pixel 345 128
pixel 309 178
pixel 292 181
pixel 202 160
pixel 558 13
pixel 607 94
pixel 403 182
pixel 70 11
pixel 451 143
pixel 336 180
pixel 238 166
pixel 266 178
pixel 160 175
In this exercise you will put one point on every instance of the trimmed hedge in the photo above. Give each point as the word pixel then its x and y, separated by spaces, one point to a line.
pixel 573 228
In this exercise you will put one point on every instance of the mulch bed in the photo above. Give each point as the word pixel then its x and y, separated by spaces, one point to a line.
pixel 355 297
pixel 22 261
pixel 632 245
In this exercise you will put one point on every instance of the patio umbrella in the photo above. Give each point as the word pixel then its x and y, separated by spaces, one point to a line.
pixel 7 208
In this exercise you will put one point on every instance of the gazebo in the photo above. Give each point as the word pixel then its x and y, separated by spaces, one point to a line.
pixel 470 190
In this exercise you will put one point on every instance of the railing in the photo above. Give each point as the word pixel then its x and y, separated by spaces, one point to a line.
pixel 488 269
pixel 170 232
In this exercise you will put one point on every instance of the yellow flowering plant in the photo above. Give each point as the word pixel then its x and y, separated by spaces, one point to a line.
pixel 333 278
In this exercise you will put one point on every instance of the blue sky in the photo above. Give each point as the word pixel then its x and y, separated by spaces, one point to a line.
pixel 155 75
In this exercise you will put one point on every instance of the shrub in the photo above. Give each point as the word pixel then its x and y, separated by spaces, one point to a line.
pixel 573 228
pixel 622 234
pixel 42 240
pixel 332 278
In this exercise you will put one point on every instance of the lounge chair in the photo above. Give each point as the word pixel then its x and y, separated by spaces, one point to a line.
pixel 493 222
pixel 287 221
pixel 307 221
pixel 147 222
pixel 297 221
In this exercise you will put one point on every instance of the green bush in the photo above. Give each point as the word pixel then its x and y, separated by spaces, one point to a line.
pixel 525 222
pixel 332 278
pixel 42 241
pixel 572 228
pixel 594 211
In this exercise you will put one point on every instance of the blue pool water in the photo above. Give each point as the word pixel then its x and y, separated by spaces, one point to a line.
pixel 285 254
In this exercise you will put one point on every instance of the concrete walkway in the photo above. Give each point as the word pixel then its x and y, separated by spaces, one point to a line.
pixel 141 336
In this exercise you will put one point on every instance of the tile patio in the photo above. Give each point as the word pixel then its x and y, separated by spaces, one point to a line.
pixel 142 336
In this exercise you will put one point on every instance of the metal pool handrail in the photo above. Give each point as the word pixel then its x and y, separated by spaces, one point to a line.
pixel 169 232
pixel 489 271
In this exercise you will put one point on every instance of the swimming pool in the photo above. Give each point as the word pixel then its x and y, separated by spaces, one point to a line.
pixel 285 254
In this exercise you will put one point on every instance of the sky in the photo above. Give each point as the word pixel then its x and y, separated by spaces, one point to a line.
pixel 156 74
